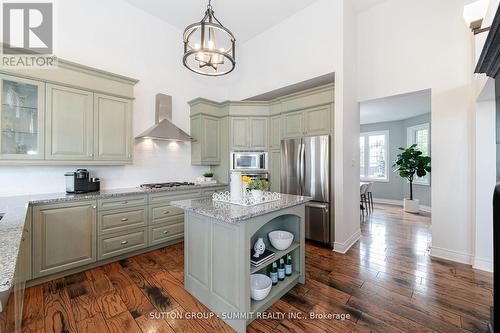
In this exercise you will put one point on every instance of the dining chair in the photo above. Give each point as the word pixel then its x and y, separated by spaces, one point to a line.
pixel 369 195
pixel 364 199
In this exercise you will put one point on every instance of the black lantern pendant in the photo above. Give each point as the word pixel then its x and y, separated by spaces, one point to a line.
pixel 209 47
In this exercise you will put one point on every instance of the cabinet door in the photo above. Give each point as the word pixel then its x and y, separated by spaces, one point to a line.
pixel 258 133
pixel 275 160
pixel 64 237
pixel 275 132
pixel 317 120
pixel 239 133
pixel 112 128
pixel 21 118
pixel 293 124
pixel 69 124
pixel 210 146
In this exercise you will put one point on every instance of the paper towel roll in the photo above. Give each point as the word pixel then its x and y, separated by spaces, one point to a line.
pixel 236 186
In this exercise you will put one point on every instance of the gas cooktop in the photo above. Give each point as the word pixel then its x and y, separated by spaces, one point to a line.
pixel 169 184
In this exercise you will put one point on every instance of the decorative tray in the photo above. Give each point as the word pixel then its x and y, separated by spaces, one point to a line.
pixel 248 199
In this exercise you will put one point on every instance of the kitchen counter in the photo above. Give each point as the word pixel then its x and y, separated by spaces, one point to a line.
pixel 15 209
pixel 218 238
pixel 235 214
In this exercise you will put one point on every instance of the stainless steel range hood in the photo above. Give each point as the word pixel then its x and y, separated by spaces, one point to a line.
pixel 164 129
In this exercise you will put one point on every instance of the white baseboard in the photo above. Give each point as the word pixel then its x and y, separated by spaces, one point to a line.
pixel 399 203
pixel 483 264
pixel 345 246
pixel 461 257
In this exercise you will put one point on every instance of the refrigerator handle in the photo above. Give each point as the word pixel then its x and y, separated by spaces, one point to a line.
pixel 302 167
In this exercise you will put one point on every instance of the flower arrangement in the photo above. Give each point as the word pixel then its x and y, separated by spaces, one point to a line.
pixel 258 184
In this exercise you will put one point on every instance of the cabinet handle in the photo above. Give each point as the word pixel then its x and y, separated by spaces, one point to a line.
pixel 166 212
pixel 94 207
pixel 125 202
pixel 124 219
pixel 124 242
pixel 129 155
pixel 165 232
pixel 91 155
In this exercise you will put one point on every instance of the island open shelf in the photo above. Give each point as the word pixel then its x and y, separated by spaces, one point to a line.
pixel 217 243
pixel 277 254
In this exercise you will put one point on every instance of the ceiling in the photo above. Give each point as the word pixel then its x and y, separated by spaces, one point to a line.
pixel 397 107
pixel 246 19
pixel 293 88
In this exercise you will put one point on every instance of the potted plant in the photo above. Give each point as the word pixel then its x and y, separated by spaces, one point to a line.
pixel 410 163
pixel 257 187
pixel 208 176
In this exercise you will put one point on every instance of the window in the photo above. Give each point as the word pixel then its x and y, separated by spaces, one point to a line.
pixel 420 135
pixel 373 155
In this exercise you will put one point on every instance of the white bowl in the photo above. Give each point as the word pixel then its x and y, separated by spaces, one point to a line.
pixel 281 240
pixel 260 286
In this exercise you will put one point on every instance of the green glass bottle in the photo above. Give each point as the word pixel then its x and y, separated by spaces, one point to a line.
pixel 288 265
pixel 281 269
pixel 273 273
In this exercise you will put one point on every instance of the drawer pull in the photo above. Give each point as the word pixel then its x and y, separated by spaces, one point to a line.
pixel 124 202
pixel 166 212
pixel 165 232
pixel 124 242
pixel 124 219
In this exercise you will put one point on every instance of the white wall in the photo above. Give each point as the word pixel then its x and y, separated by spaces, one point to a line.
pixel 405 46
pixel 485 180
pixel 304 46
pixel 114 36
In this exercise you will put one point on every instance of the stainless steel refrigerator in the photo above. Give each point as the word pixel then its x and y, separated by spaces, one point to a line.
pixel 305 170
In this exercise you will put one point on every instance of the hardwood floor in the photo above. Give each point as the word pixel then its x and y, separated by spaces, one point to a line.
pixel 385 283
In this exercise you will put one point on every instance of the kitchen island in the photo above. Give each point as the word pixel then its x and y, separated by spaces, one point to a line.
pixel 218 238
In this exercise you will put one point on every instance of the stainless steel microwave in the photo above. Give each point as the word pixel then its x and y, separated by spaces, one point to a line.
pixel 249 160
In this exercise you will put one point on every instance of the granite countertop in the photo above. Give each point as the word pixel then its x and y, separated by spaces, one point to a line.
pixel 231 213
pixel 15 209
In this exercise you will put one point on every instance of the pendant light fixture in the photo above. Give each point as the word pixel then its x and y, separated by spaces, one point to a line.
pixel 209 47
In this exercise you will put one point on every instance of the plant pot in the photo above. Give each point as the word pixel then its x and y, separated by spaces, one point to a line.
pixel 209 179
pixel 411 206
pixel 257 195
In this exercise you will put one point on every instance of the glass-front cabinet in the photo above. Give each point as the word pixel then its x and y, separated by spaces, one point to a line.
pixel 21 118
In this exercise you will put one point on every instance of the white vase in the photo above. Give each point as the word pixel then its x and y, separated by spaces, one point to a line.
pixel 259 247
pixel 257 195
pixel 411 206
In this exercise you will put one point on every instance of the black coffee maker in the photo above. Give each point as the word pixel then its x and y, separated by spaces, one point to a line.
pixel 80 182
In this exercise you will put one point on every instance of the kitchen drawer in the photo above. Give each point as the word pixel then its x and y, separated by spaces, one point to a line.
pixel 122 202
pixel 110 221
pixel 165 232
pixel 166 197
pixel 113 245
pixel 168 219
pixel 165 211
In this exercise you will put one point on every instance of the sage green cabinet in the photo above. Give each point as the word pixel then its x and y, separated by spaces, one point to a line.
pixel 275 161
pixel 317 120
pixel 293 124
pixel 307 122
pixel 275 132
pixel 248 133
pixel 21 118
pixel 205 149
pixel 64 237
pixel 112 128
pixel 240 139
pixel 69 126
